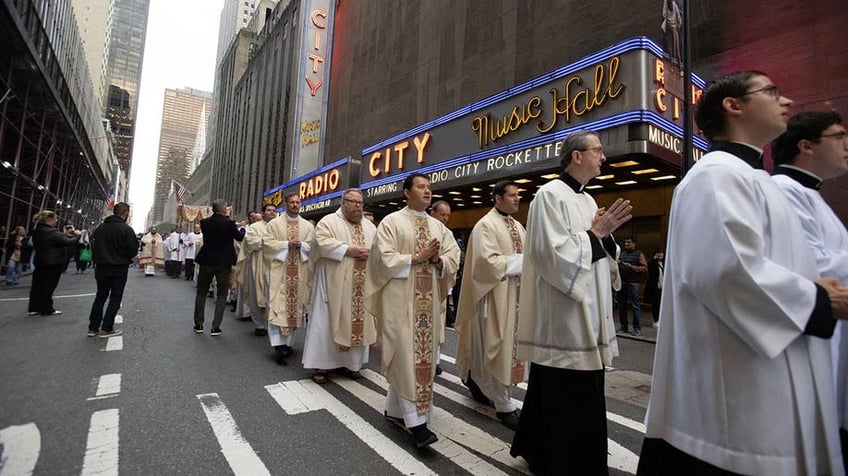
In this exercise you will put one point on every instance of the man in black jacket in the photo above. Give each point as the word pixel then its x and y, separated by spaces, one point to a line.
pixel 216 258
pixel 113 247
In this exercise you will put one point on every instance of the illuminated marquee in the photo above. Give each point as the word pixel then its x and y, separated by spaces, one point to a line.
pixel 663 99
pixel 384 157
pixel 564 104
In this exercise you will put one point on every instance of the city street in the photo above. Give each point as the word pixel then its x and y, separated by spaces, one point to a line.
pixel 162 400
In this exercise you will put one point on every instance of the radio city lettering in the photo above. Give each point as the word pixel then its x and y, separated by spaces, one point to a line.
pixel 315 206
pixel 663 99
pixel 566 104
pixel 381 161
pixel 670 142
pixel 319 184
pixel 318 18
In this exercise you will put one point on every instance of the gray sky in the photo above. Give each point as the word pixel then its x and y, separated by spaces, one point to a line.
pixel 182 40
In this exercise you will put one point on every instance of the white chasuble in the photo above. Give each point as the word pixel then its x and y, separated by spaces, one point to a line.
pixel 288 283
pixel 406 300
pixel 736 382
pixel 490 293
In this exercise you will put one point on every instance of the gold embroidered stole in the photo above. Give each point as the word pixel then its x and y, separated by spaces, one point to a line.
pixel 292 274
pixel 422 328
pixel 517 366
pixel 357 304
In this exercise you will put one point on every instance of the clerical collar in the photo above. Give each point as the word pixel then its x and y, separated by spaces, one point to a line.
pixel 417 213
pixel 571 182
pixel 503 213
pixel 804 177
pixel 289 218
pixel 750 154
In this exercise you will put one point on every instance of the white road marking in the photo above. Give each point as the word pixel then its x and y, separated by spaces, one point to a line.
pixel 454 434
pixel 101 452
pixel 119 319
pixel 21 445
pixel 304 396
pixel 621 458
pixel 108 384
pixel 241 457
pixel 448 358
pixel 54 297
pixel 114 343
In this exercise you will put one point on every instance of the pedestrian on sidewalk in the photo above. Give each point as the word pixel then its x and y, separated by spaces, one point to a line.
pixel 83 255
pixel 13 253
pixel 633 268
pixel 51 259
pixel 113 245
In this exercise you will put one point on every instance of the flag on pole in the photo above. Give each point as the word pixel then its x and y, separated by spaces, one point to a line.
pixel 179 191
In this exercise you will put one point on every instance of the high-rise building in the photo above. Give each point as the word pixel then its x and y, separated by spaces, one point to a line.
pixel 235 15
pixel 127 29
pixel 184 113
pixel 93 23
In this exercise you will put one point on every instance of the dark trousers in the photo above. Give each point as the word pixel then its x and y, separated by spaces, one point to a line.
pixel 204 280
pixel 111 280
pixel 659 458
pixel 45 278
pixel 189 269
pixel 629 292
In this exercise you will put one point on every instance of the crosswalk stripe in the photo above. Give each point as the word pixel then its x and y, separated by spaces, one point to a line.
pixel 108 384
pixel 119 319
pixel 302 396
pixel 21 446
pixel 114 343
pixel 449 428
pixel 238 452
pixel 101 448
pixel 448 358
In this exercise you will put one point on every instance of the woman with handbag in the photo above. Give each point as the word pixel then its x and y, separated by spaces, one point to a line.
pixel 83 255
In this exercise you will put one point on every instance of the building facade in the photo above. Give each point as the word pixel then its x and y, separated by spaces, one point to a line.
pixel 185 111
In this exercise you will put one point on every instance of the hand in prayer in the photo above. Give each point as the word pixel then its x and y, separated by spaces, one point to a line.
pixel 607 220
pixel 838 295
pixel 431 250
pixel 357 252
pixel 294 244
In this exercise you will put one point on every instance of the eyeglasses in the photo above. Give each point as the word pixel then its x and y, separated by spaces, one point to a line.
pixel 771 90
pixel 838 135
pixel 599 149
pixel 357 203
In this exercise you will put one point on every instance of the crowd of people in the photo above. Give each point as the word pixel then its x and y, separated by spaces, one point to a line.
pixel 751 359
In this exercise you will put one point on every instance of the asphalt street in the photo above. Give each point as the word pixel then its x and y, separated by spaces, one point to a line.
pixel 162 400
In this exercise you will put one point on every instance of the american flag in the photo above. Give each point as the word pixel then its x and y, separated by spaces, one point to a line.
pixel 179 191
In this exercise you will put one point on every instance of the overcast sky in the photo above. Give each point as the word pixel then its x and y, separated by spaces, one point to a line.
pixel 182 40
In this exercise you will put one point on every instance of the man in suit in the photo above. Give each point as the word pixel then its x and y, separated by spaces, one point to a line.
pixel 216 258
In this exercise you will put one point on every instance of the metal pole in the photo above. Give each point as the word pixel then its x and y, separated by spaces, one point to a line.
pixel 688 160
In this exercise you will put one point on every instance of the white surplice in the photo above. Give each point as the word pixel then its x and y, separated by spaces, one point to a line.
pixel 736 382
pixel 828 239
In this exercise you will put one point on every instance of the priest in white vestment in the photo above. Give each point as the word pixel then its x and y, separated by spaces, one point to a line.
pixel 152 254
pixel 286 245
pixel 340 329
pixel 251 266
pixel 565 325
pixel 814 149
pixel 413 258
pixel 742 378
pixel 487 314
pixel 172 254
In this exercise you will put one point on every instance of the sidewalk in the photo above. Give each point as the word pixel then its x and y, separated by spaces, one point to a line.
pixel 648 333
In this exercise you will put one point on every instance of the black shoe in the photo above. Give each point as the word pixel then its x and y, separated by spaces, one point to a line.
pixel 260 332
pixel 476 393
pixel 439 370
pixel 510 419
pixel 211 294
pixel 279 357
pixel 423 437
pixel 216 331
pixel 284 349
pixel 198 329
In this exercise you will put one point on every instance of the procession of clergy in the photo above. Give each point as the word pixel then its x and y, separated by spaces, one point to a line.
pixel 750 366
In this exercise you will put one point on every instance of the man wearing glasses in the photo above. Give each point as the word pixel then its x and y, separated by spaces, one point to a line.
pixel 813 149
pixel 742 378
pixel 565 325
pixel 340 330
